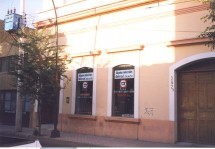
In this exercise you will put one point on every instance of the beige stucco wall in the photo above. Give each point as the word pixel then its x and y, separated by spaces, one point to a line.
pixel 151 27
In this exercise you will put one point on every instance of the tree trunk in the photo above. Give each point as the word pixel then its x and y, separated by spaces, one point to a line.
pixel 39 116
pixel 56 133
pixel 37 130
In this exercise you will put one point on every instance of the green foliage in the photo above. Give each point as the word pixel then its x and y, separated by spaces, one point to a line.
pixel 39 76
pixel 209 32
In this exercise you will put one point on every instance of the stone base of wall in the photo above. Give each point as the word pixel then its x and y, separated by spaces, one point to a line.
pixel 140 129
pixel 157 131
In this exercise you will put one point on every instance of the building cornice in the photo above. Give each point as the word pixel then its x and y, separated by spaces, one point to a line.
pixel 105 9
pixel 186 42
pixel 118 6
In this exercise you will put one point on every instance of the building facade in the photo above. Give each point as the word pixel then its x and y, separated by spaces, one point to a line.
pixel 138 69
pixel 8 89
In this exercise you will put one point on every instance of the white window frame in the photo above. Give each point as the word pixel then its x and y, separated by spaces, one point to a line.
pixel 74 79
pixel 136 64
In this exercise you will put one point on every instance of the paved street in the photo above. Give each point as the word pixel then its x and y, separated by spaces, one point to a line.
pixel 83 140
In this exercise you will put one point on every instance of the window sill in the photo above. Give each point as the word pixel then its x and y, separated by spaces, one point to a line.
pixel 122 120
pixel 82 117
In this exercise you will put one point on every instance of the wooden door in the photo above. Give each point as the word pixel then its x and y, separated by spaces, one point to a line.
pixel 196 107
pixel 206 107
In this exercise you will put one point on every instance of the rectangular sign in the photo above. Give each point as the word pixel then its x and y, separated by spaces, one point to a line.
pixel 85 76
pixel 124 74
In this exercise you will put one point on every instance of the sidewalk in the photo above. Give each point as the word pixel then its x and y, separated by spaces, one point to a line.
pixel 83 140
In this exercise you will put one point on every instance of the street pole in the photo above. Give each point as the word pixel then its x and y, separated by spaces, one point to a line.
pixel 19 101
pixel 22 11
pixel 56 133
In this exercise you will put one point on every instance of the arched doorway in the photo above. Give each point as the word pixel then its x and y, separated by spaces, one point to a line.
pixel 196 102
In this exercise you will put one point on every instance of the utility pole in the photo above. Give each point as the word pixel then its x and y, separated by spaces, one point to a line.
pixel 19 100
pixel 22 11
pixel 56 133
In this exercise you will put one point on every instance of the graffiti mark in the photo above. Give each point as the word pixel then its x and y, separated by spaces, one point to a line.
pixel 172 83
pixel 149 111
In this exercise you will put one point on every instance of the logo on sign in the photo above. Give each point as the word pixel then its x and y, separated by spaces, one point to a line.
pixel 85 85
pixel 123 84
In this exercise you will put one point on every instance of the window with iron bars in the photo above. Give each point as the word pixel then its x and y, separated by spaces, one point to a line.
pixel 84 91
pixel 123 91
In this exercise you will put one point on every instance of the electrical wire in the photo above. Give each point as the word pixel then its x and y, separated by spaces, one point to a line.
pixel 150 7
pixel 11 4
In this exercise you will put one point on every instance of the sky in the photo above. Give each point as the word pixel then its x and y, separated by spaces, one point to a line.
pixel 31 8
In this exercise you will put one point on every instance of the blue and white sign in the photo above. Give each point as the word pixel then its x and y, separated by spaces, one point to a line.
pixel 85 76
pixel 124 74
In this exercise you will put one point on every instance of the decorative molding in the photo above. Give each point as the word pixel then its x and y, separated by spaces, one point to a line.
pixel 125 49
pixel 113 50
pixel 185 42
pixel 119 6
pixel 90 53
pixel 95 52
pixel 109 8
pixel 122 120
pixel 74 55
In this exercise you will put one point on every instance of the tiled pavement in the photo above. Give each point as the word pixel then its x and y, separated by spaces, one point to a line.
pixel 82 140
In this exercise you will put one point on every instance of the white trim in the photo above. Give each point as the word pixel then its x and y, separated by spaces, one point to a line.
pixel 73 91
pixel 136 64
pixel 74 73
pixel 173 81
pixel 61 95
pixel 94 87
pixel 136 92
pixel 110 85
